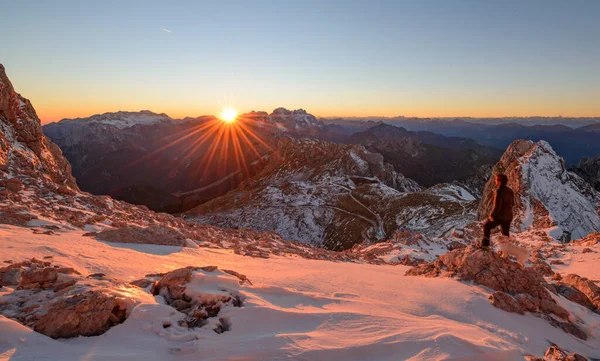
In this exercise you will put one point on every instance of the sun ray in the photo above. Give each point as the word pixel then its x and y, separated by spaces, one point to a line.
pixel 170 144
pixel 225 144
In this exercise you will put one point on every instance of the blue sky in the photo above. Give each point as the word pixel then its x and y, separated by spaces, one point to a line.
pixel 414 58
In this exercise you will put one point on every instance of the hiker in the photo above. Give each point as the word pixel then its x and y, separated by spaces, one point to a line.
pixel 502 213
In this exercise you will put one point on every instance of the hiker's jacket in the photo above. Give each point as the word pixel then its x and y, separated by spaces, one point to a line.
pixel 504 200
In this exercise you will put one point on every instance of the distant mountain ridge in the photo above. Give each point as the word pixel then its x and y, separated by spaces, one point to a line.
pixel 121 119
pixel 124 154
pixel 426 157
pixel 572 122
pixel 572 142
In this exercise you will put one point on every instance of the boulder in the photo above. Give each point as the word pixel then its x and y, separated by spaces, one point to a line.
pixel 506 302
pixel 587 287
pixel 172 285
pixel 52 301
pixel 11 277
pixel 38 277
pixel 574 295
pixel 487 269
pixel 89 314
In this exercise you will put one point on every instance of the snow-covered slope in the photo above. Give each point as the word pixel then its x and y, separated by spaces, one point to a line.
pixel 547 194
pixel 336 196
pixel 295 309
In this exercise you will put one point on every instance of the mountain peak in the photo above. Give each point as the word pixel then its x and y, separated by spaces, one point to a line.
pixel 24 148
pixel 547 195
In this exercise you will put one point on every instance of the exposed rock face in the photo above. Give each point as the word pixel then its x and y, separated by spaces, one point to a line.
pixel 555 353
pixel 518 289
pixel 426 157
pixel 590 240
pixel 58 302
pixel 88 314
pixel 336 196
pixel 312 191
pixel 589 169
pixel 476 184
pixel 23 147
pixel 506 302
pixel 547 195
pixel 587 288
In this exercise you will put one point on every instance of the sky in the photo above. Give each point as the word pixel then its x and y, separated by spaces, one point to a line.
pixel 332 58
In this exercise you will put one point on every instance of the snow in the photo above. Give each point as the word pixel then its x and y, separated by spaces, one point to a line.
pixel 362 164
pixel 575 209
pixel 122 119
pixel 295 309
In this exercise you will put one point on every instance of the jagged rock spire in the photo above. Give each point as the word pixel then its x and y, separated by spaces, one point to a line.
pixel 23 147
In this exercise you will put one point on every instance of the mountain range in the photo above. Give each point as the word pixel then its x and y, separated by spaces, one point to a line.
pixel 572 139
pixel 141 284
pixel 163 163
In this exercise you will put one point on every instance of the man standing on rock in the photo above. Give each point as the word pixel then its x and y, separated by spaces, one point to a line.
pixel 502 213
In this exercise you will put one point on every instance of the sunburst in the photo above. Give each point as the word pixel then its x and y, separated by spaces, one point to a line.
pixel 229 136
pixel 228 115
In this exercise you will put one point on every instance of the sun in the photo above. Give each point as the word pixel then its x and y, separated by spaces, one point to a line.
pixel 228 115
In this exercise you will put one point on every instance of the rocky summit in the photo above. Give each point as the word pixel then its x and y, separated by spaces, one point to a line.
pixel 547 195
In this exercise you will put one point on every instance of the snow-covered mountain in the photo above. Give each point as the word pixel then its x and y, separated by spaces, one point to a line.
pixel 143 285
pixel 125 153
pixel 336 196
pixel 120 120
pixel 293 122
pixel 548 196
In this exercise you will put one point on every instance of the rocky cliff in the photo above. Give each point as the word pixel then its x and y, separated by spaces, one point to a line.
pixel 547 195
pixel 23 146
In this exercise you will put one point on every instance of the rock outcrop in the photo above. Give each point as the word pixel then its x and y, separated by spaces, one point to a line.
pixel 547 195
pixel 555 353
pixel 517 289
pixel 155 234
pixel 589 169
pixel 588 293
pixel 60 303
pixel 197 304
pixel 23 146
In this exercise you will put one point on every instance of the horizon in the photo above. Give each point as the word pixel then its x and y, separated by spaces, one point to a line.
pixel 350 118
pixel 439 59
